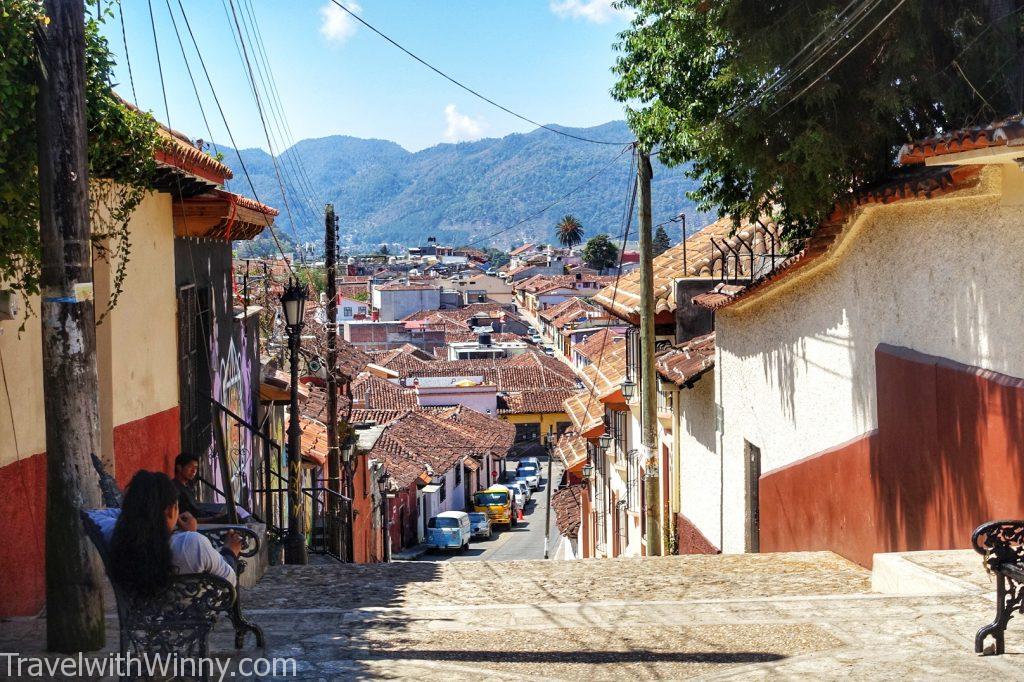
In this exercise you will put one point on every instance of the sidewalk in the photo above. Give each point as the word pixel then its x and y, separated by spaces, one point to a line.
pixel 411 553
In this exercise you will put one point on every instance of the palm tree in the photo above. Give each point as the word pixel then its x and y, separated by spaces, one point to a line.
pixel 569 231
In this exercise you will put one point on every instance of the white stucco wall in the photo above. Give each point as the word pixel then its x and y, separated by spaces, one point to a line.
pixel 396 304
pixel 795 365
pixel 699 478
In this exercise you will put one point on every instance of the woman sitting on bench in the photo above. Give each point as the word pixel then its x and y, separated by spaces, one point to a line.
pixel 145 550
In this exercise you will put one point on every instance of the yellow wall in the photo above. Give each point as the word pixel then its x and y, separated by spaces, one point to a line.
pixel 143 328
pixel 136 344
pixel 545 420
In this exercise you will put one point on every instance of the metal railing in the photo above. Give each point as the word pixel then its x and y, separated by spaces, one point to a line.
pixel 329 513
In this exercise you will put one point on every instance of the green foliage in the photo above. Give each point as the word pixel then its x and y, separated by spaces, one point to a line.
pixel 121 145
pixel 569 231
pixel 383 250
pixel 693 74
pixel 601 253
pixel 361 296
pixel 661 242
pixel 313 277
pixel 496 257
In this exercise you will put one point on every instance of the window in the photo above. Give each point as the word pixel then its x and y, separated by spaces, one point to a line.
pixel 633 480
pixel 346 311
pixel 562 427
pixel 444 489
pixel 458 473
pixel 633 354
pixel 362 310
pixel 619 430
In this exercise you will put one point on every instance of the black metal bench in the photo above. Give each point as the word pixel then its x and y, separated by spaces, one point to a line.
pixel 179 620
pixel 1002 545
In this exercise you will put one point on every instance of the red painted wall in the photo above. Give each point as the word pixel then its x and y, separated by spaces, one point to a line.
pixel 689 539
pixel 149 443
pixel 22 561
pixel 948 455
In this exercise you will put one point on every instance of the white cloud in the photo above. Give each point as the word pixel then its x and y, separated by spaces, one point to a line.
pixel 594 11
pixel 336 25
pixel 461 128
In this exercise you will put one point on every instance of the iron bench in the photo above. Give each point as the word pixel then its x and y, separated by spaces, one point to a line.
pixel 180 620
pixel 1002 545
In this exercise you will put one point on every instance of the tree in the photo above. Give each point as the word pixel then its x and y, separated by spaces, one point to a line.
pixel 569 231
pixel 769 128
pixel 601 253
pixel 383 249
pixel 661 241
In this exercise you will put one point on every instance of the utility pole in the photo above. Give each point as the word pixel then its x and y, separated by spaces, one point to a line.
pixel 333 452
pixel 70 381
pixel 550 447
pixel 648 385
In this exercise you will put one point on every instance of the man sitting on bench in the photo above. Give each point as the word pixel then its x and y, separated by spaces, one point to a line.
pixel 186 467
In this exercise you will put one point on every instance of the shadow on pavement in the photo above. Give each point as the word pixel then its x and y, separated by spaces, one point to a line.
pixel 587 657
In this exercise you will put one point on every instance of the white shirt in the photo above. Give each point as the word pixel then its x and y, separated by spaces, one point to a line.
pixel 190 552
pixel 194 553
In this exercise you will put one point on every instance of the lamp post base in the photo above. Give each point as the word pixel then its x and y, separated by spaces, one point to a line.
pixel 295 551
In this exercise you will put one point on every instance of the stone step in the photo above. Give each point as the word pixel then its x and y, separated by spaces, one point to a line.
pixel 929 572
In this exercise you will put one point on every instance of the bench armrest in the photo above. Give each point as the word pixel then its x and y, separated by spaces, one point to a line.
pixel 1000 542
pixel 217 533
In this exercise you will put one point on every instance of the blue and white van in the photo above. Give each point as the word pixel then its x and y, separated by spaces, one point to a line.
pixel 449 530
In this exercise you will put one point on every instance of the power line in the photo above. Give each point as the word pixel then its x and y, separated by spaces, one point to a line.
pixel 842 58
pixel 468 89
pixel 127 59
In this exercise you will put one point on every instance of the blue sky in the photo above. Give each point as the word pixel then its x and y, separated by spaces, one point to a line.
pixel 548 59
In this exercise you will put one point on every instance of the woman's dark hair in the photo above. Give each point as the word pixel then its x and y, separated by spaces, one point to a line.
pixel 140 551
pixel 184 459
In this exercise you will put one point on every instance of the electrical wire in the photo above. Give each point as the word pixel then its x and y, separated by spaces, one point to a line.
pixel 127 59
pixel 468 89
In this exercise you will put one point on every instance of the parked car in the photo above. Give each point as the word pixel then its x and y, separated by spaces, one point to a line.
pixel 529 473
pixel 449 530
pixel 531 460
pixel 523 485
pixel 518 495
pixel 498 503
pixel 480 525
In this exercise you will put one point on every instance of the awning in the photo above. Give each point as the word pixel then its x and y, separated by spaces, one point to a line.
pixel 471 463
pixel 276 387
pixel 221 215
pixel 432 488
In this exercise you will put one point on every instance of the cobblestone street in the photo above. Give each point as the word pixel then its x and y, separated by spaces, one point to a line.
pixel 808 615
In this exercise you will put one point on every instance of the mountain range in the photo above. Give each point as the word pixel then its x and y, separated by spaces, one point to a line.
pixel 463 193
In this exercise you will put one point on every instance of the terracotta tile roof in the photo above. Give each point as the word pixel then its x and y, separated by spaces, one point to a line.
pixel 604 376
pixel 568 506
pixel 460 315
pixel 686 362
pixel 402 359
pixel 180 152
pixel 1006 133
pixel 540 284
pixel 921 183
pixel 351 359
pixel 521 249
pixel 524 372
pixel 622 298
pixel 316 405
pixel 432 442
pixel 571 448
pixel 586 413
pixel 549 401
pixel 459 336
pixel 594 344
pixel 374 393
pixel 314 440
pixel 353 290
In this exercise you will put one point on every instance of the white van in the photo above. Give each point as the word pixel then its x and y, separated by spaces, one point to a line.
pixel 449 530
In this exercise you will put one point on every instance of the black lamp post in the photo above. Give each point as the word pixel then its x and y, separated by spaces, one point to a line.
pixel 628 389
pixel 385 522
pixel 293 301
pixel 549 445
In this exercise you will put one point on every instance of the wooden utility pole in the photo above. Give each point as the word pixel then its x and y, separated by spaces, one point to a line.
pixel 333 452
pixel 74 619
pixel 648 382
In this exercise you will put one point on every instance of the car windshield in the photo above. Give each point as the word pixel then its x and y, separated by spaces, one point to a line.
pixel 526 470
pixel 477 517
pixel 487 499
pixel 442 522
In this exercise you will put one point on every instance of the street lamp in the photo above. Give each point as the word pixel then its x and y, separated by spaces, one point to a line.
pixel 293 301
pixel 628 389
pixel 588 470
pixel 385 521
